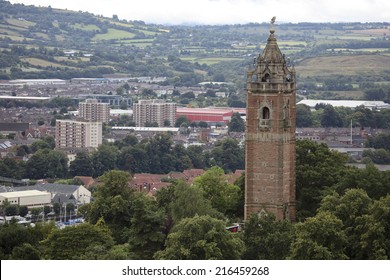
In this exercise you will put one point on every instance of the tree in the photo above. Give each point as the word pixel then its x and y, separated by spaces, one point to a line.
pixel 104 159
pixel 317 170
pixel 133 159
pixel 236 123
pixel 47 163
pixel 201 238
pixel 182 160
pixel 380 211
pixel 267 239
pixel 146 233
pixel 25 252
pixel 304 116
pixel 188 201
pixel 369 179
pixel 365 238
pixel 167 123
pixel 11 210
pixel 113 200
pixel 195 153
pixel 330 117
pixel 222 195
pixel 81 165
pixel 73 242
pixel 319 238
pixel 13 235
pixel 228 155
pixel 159 154
pixel 182 121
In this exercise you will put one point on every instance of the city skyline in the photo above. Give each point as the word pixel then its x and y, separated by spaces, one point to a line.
pixel 215 12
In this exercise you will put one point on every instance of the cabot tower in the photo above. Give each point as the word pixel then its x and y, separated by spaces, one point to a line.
pixel 270 134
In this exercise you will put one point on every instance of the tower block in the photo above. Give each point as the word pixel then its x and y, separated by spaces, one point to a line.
pixel 270 134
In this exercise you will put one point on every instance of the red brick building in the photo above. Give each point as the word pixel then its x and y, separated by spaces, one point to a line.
pixel 270 135
pixel 210 115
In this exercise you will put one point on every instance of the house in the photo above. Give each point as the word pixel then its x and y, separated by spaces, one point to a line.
pixel 88 182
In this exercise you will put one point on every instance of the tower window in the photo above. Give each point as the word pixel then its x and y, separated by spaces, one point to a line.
pixel 265 113
pixel 266 78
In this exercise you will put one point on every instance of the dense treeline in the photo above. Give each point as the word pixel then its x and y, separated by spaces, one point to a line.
pixel 343 214
pixel 157 155
pixel 329 116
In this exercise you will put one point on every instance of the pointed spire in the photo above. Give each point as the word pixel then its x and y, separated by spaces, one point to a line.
pixel 271 51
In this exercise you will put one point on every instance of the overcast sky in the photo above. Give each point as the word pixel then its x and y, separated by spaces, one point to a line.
pixel 228 11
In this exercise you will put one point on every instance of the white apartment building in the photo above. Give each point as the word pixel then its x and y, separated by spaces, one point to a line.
pixel 155 110
pixel 92 110
pixel 78 134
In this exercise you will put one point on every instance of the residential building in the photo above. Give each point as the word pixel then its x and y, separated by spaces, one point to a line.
pixel 150 111
pixel 92 110
pixel 78 134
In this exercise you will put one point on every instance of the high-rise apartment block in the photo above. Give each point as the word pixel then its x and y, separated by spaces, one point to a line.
pixel 150 111
pixel 92 110
pixel 78 134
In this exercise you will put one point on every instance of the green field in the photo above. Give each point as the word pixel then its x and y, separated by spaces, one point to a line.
pixel 41 62
pixel 87 27
pixel 343 65
pixel 20 23
pixel 114 34
pixel 211 60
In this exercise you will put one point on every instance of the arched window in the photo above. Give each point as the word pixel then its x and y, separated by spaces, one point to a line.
pixel 265 114
pixel 266 78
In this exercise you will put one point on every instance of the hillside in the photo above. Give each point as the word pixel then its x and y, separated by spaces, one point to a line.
pixel 38 42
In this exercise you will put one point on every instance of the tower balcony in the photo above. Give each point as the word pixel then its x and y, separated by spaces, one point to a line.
pixel 270 87
pixel 264 123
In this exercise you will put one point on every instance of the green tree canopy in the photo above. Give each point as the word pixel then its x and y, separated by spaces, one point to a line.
pixel 73 242
pixel 267 239
pixel 319 238
pixel 317 169
pixel 81 165
pixel 46 163
pixel 236 123
pixel 222 195
pixel 113 203
pixel 201 238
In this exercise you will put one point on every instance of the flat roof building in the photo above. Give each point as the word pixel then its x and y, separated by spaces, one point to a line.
pixel 212 115
pixel 373 105
pixel 30 198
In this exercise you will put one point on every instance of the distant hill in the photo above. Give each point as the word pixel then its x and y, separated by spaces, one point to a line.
pixel 37 42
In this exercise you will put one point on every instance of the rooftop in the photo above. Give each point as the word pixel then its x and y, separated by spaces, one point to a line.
pixel 23 193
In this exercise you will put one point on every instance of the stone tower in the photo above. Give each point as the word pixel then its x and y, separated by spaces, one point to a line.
pixel 270 134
